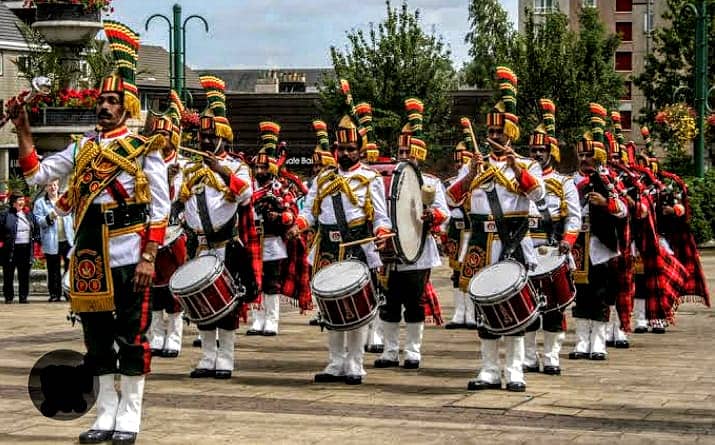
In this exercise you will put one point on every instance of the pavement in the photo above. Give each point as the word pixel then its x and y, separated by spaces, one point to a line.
pixel 661 390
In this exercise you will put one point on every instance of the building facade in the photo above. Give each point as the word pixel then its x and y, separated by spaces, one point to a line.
pixel 634 22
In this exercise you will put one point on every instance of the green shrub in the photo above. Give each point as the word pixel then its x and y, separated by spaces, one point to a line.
pixel 702 200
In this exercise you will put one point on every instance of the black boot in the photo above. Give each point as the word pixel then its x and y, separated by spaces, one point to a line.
pixel 95 436
pixel 384 363
pixel 479 385
pixel 516 386
pixel 324 377
pixel 123 438
pixel 552 370
pixel 202 373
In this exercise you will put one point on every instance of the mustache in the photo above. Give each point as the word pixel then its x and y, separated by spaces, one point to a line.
pixel 104 114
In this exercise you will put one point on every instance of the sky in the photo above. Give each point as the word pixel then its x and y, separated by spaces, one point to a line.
pixel 284 33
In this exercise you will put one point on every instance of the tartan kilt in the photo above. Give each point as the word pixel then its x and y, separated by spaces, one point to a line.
pixel 296 275
pixel 430 302
pixel 623 287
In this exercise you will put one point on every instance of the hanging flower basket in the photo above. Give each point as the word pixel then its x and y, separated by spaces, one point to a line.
pixel 64 11
pixel 70 22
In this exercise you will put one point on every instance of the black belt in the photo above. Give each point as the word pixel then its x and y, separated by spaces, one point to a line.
pixel 118 217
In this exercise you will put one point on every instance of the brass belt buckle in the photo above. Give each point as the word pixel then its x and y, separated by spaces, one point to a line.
pixel 335 236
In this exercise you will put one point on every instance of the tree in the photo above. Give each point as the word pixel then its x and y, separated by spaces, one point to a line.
pixel 385 65
pixel 491 39
pixel 671 64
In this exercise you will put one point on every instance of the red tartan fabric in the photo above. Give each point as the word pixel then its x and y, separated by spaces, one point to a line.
pixel 685 248
pixel 249 238
pixel 664 275
pixel 296 274
pixel 430 301
pixel 625 287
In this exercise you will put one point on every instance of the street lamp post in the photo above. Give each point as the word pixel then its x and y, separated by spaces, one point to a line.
pixel 177 47
pixel 700 10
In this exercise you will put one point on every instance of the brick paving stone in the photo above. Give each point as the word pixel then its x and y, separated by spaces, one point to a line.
pixel 659 391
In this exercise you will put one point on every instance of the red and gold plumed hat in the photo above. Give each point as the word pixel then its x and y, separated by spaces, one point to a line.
pixel 214 117
pixel 415 115
pixel 545 133
pixel 593 141
pixel 347 129
pixel 267 155
pixel 504 113
pixel 322 155
pixel 170 121
pixel 469 142
pixel 124 46
pixel 366 130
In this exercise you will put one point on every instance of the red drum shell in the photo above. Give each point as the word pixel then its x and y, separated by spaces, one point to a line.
pixel 351 302
pixel 509 310
pixel 557 286
pixel 211 294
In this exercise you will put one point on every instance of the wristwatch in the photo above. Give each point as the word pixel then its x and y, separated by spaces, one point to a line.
pixel 148 257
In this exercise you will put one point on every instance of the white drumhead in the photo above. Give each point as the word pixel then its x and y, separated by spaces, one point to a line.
pixel 195 272
pixel 497 279
pixel 339 277
pixel 172 233
pixel 548 259
pixel 407 220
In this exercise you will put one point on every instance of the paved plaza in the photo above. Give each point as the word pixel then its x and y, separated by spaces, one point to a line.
pixel 661 390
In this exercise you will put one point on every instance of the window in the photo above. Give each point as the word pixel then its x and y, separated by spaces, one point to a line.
pixel 627 90
pixel 543 6
pixel 626 119
pixel 590 3
pixel 624 5
pixel 624 61
pixel 23 65
pixel 625 30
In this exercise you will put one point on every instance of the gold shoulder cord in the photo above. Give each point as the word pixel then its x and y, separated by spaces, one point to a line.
pixel 555 186
pixel 331 182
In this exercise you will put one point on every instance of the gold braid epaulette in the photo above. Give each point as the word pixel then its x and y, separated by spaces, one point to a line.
pixel 332 182
pixel 555 186
pixel 492 173
pixel 198 173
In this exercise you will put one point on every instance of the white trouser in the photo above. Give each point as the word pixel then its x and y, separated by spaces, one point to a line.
pixel 598 337
pixel 107 403
pixel 355 341
pixel 208 350
pixel 224 357
pixel 552 347
pixel 129 413
pixel 336 353
pixel 469 311
pixel 489 371
pixel 459 306
pixel 639 313
pixel 272 305
pixel 583 335
pixel 374 335
pixel 413 342
pixel 513 368
pixel 174 330
pixel 157 330
pixel 530 356
pixel 391 332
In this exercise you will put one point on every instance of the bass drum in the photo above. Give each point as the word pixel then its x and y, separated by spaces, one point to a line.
pixel 403 190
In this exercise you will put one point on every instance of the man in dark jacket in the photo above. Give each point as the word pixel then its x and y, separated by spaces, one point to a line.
pixel 18 232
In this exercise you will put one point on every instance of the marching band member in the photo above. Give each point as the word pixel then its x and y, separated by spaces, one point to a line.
pixel 275 211
pixel 216 192
pixel 407 282
pixel 165 336
pixel 603 213
pixel 119 195
pixel 499 188
pixel 345 203
pixel 559 224
pixel 454 242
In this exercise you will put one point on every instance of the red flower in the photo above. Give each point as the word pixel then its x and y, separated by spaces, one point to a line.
pixel 660 117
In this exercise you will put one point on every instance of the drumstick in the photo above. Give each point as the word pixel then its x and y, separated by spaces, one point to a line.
pixel 342 246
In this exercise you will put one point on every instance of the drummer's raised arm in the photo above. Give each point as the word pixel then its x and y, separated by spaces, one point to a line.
pixel 381 222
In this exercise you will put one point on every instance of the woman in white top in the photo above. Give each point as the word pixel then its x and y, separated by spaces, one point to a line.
pixel 18 231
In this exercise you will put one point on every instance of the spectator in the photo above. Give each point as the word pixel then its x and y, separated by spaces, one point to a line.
pixel 57 238
pixel 18 232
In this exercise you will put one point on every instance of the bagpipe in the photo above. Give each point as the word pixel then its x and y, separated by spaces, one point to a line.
pixel 608 228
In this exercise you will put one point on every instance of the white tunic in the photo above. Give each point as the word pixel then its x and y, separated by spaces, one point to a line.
pixel 220 209
pixel 376 191
pixel 512 204
pixel 123 249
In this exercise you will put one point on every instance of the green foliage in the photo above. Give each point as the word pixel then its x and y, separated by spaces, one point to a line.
pixel 492 42
pixel 671 64
pixel 390 62
pixel 571 67
pixel 701 192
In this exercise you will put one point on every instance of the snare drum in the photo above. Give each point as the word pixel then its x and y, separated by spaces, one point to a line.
pixel 505 299
pixel 171 255
pixel 552 279
pixel 205 289
pixel 345 295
